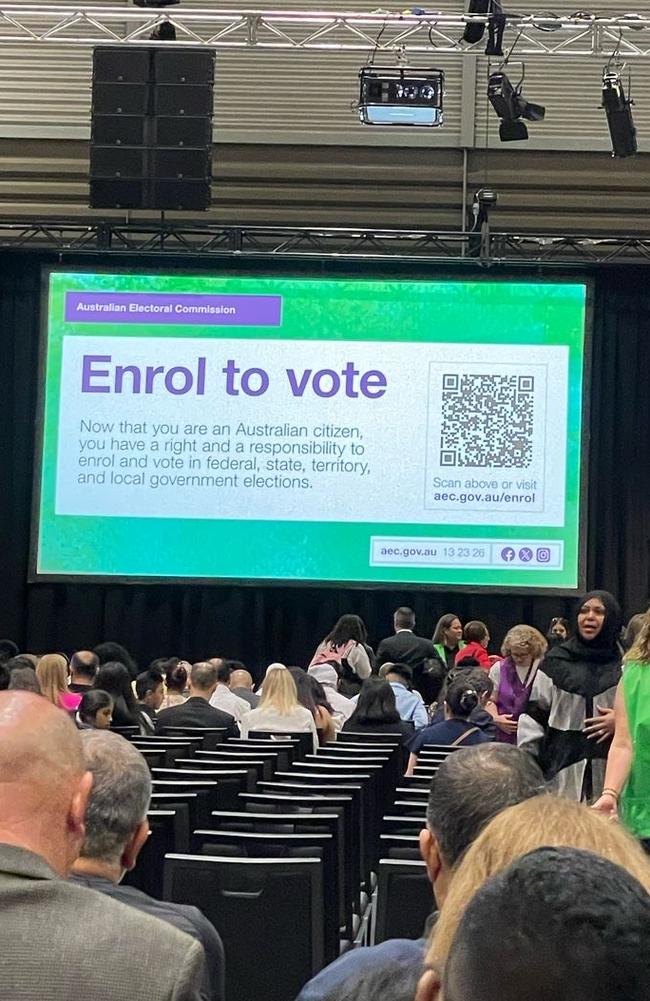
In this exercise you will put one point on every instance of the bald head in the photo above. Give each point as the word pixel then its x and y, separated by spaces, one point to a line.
pixel 241 679
pixel 43 783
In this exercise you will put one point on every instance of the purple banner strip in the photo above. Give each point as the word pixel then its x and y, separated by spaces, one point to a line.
pixel 179 308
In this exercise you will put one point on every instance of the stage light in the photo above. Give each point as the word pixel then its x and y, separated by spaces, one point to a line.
pixel 618 108
pixel 511 107
pixel 401 96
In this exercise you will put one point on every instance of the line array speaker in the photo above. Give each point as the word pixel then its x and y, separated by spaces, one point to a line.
pixel 151 133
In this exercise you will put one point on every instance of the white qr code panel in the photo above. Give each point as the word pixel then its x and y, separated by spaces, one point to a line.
pixel 489 446
pixel 487 420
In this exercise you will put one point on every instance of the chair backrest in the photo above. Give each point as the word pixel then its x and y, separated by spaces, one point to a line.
pixel 201 766
pixel 287 751
pixel 304 741
pixel 404 899
pixel 223 786
pixel 170 832
pixel 402 824
pixel 126 731
pixel 352 737
pixel 267 761
pixel 271 906
pixel 282 844
pixel 210 736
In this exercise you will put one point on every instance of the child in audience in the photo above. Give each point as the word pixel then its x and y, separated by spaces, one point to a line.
pixel 95 711
pixel 477 638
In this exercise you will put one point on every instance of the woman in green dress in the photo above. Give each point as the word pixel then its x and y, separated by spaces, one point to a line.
pixel 626 792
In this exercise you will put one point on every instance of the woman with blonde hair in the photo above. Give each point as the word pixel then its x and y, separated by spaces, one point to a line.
pixel 544 821
pixel 52 674
pixel 627 777
pixel 279 711
pixel 513 677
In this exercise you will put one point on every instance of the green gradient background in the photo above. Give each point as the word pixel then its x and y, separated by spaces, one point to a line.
pixel 313 309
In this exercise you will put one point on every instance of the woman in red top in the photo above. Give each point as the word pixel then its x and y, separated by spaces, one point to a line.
pixel 477 637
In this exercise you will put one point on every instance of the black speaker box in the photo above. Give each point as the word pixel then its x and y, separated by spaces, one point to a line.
pixel 121 64
pixel 183 66
pixel 117 194
pixel 169 164
pixel 120 98
pixel 118 161
pixel 182 195
pixel 180 131
pixel 182 99
pixel 119 130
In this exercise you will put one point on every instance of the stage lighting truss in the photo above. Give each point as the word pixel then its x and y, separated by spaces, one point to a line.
pixel 618 109
pixel 418 31
pixel 400 95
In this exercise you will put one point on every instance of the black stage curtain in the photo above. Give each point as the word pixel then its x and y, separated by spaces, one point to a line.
pixel 261 624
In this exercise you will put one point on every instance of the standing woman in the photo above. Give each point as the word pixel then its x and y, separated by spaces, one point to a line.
pixel 627 779
pixel 448 639
pixel 576 681
pixel 513 677
pixel 346 648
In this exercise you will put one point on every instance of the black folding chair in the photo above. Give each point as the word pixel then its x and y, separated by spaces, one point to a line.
pixel 305 741
pixel 404 899
pixel 267 902
pixel 169 833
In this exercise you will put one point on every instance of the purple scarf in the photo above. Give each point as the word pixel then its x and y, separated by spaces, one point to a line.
pixel 512 696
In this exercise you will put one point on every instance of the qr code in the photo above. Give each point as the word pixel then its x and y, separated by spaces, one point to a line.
pixel 487 420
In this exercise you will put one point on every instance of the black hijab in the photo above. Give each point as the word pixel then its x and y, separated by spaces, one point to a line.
pixel 588 667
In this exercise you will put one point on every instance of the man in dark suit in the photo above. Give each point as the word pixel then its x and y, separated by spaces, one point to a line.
pixel 60 942
pixel 197 711
pixel 407 648
pixel 117 829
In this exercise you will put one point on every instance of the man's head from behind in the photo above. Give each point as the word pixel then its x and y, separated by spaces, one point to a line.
pixel 203 679
pixel 582 930
pixel 240 677
pixel 404 618
pixel 400 674
pixel 471 787
pixel 44 786
pixel 83 666
pixel 116 818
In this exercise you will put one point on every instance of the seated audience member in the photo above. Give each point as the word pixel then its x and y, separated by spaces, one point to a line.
pixel 241 683
pixel 114 679
pixel 461 701
pixel 149 689
pixel 279 710
pixel 405 647
pixel 117 829
pixel 176 681
pixel 346 646
pixel 224 698
pixel 52 675
pixel 110 653
pixel 469 790
pixel 632 630
pixel 8 650
pixel 44 790
pixel 196 710
pixel 83 668
pixel 376 712
pixel 523 648
pixel 311 695
pixel 477 636
pixel 23 679
pixel 327 676
pixel 479 680
pixel 582 927
pixel 95 711
pixel 549 822
pixel 409 704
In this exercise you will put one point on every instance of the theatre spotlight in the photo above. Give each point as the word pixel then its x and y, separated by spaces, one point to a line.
pixel 401 96
pixel 618 108
pixel 511 107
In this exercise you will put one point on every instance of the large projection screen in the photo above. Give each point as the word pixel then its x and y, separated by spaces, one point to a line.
pixel 347 430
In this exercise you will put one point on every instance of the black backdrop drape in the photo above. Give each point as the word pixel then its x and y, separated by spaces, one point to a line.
pixel 260 624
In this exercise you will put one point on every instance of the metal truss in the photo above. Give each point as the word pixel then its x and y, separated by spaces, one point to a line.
pixel 162 239
pixel 581 34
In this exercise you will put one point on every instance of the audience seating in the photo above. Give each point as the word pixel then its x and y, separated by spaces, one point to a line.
pixel 399 881
pixel 210 736
pixel 287 750
pixel 170 832
pixel 305 741
pixel 264 910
